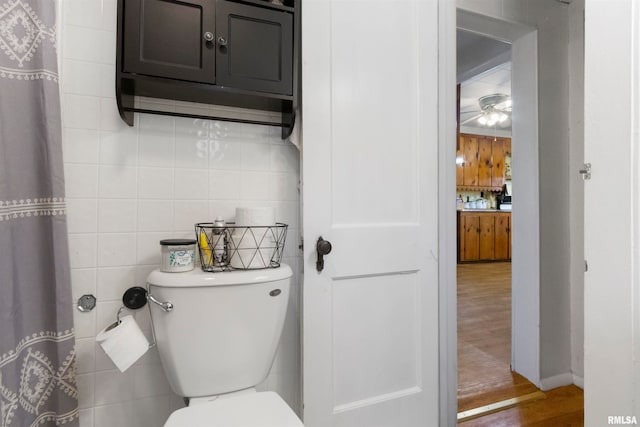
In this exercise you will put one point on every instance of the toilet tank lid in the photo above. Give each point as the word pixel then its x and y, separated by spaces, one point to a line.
pixel 197 277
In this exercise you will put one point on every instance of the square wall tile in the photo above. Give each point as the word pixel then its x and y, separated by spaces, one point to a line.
pixel 119 147
pixel 114 281
pixel 254 186
pixel 285 158
pixel 192 184
pixel 224 185
pixel 80 77
pixel 225 209
pixel 83 250
pixel 152 411
pixel 107 80
pixel 83 13
pixel 81 180
pixel 121 415
pixel 85 390
pixel 85 355
pixel 192 143
pixel 149 380
pixel 156 139
pixel 86 417
pixel 225 155
pixel 107 45
pixel 118 182
pixel 83 282
pixel 84 324
pixel 155 215
pixel 82 215
pixel 148 251
pixel 80 43
pixel 109 9
pixel 117 215
pixel 283 186
pixel 109 116
pixel 155 183
pixel 189 212
pixel 81 112
pixel 256 157
pixel 113 387
pixel 80 145
pixel 117 249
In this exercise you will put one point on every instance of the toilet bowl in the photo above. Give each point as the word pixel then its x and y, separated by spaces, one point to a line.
pixel 217 341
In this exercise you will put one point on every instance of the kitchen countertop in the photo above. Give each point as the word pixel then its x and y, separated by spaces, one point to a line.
pixel 481 210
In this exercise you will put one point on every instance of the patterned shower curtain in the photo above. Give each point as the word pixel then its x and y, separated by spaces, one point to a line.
pixel 37 357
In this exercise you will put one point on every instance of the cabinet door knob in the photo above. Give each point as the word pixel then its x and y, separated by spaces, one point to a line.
pixel 222 41
pixel 208 36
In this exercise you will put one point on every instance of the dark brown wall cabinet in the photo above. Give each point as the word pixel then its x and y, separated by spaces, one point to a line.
pixel 239 53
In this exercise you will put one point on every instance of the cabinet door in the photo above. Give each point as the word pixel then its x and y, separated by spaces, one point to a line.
pixel 484 161
pixel 470 148
pixel 497 154
pixel 487 237
pixel 459 167
pixel 471 237
pixel 254 48
pixel 503 236
pixel 167 38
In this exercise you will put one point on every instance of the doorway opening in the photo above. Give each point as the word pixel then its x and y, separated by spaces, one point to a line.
pixel 484 201
pixel 498 337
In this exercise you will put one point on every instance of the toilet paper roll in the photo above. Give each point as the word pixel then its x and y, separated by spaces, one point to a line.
pixel 252 249
pixel 124 343
pixel 260 216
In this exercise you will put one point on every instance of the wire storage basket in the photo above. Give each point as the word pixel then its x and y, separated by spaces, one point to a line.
pixel 235 247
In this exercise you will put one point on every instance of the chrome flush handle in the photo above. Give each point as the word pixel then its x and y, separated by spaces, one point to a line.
pixel 165 306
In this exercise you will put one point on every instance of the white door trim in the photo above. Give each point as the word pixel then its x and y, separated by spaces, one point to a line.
pixel 447 218
pixel 526 234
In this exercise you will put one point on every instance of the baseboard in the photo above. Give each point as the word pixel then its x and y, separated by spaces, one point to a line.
pixel 578 381
pixel 556 381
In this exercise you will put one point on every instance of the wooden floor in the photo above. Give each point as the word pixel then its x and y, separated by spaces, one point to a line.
pixel 484 355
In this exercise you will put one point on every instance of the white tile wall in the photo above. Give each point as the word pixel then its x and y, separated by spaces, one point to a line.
pixel 129 187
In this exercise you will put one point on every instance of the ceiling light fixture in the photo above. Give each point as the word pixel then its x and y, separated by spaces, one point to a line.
pixel 494 109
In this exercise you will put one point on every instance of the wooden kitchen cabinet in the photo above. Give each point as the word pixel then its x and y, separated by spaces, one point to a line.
pixel 502 240
pixel 484 236
pixel 483 167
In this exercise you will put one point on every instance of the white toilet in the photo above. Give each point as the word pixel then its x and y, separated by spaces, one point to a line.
pixel 217 339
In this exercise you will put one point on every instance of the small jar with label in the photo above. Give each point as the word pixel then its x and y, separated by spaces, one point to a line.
pixel 178 255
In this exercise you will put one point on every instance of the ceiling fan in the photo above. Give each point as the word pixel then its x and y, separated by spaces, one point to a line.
pixel 495 109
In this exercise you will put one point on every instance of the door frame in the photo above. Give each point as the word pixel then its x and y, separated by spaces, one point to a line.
pixel 525 357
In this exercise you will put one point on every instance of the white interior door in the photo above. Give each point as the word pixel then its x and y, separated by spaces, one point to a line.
pixel 370 181
pixel 612 230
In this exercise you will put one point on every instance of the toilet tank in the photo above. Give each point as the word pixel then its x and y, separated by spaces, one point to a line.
pixel 224 328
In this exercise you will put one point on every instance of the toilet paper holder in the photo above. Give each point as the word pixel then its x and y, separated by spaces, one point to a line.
pixel 117 322
pixel 137 297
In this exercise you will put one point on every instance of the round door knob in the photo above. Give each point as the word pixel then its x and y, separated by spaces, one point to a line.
pixel 208 36
pixel 222 41
pixel 323 246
